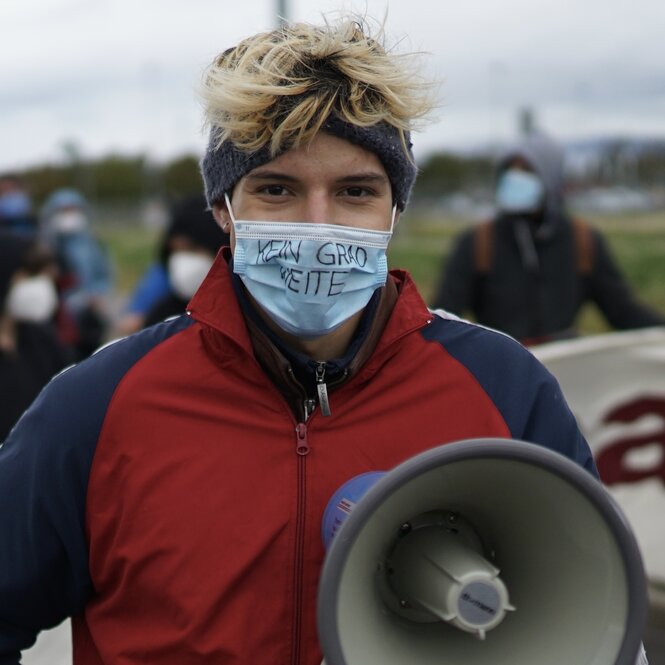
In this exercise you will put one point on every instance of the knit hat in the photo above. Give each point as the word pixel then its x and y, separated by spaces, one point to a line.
pixel 191 219
pixel 63 198
pixel 223 167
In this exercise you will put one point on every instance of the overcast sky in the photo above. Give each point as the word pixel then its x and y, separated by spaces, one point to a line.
pixel 121 75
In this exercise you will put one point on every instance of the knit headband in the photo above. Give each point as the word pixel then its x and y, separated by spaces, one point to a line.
pixel 223 167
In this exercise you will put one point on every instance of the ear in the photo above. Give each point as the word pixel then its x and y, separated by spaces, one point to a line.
pixel 221 215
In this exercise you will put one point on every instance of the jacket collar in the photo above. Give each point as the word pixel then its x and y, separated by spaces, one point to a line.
pixel 400 310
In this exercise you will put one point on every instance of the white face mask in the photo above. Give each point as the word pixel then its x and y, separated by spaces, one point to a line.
pixel 32 299
pixel 68 221
pixel 186 272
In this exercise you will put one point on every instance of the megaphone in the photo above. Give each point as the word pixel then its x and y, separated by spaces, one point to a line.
pixel 485 551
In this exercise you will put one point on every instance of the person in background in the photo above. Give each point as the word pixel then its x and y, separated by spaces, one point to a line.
pixel 30 353
pixel 528 271
pixel 188 250
pixel 168 491
pixel 152 287
pixel 86 272
pixel 15 206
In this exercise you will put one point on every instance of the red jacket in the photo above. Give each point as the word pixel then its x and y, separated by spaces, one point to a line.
pixel 202 493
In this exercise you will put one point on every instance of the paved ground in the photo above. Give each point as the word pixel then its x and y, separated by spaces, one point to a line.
pixel 654 638
pixel 52 648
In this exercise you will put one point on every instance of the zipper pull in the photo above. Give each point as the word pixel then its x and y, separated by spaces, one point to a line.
pixel 308 407
pixel 302 445
pixel 322 389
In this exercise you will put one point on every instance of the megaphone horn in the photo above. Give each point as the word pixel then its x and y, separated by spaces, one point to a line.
pixel 481 551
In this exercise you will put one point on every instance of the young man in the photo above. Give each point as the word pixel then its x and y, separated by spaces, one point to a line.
pixel 168 492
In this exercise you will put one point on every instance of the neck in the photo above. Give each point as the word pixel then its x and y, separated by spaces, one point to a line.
pixel 326 347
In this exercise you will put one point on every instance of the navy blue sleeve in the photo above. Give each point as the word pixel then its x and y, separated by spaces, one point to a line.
pixel 44 468
pixel 526 394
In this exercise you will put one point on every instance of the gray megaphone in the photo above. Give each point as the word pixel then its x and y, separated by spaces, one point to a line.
pixel 487 551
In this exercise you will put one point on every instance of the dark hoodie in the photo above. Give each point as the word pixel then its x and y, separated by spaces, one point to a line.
pixel 38 355
pixel 532 288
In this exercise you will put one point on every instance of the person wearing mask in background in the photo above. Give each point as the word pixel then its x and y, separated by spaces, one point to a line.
pixel 529 271
pixel 15 206
pixel 86 273
pixel 188 250
pixel 30 353
pixel 192 461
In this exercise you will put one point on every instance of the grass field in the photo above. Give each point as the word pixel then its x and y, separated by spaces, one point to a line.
pixel 422 242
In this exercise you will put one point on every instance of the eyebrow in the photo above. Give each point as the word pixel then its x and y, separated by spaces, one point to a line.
pixel 370 176
pixel 364 176
pixel 270 175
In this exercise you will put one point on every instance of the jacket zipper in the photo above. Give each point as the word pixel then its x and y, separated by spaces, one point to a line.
pixel 302 450
pixel 322 388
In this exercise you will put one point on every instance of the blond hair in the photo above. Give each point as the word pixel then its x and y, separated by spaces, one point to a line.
pixel 276 89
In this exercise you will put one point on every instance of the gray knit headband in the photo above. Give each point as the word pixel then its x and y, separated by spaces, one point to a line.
pixel 224 167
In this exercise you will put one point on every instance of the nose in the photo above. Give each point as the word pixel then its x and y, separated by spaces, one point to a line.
pixel 318 208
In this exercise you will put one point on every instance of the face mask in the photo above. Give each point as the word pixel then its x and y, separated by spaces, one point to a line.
pixel 68 221
pixel 309 277
pixel 519 191
pixel 32 300
pixel 186 272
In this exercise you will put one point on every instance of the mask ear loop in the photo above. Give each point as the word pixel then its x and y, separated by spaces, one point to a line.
pixel 229 208
pixel 392 219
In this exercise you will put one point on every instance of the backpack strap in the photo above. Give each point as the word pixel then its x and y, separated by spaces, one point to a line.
pixel 483 247
pixel 583 247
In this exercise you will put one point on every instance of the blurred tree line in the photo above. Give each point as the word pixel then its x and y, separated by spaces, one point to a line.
pixel 122 179
pixel 117 179
pixel 445 173
pixel 628 163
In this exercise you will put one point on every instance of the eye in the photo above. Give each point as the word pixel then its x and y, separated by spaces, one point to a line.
pixel 357 192
pixel 274 190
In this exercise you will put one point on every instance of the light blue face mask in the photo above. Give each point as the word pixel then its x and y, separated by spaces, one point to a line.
pixel 309 277
pixel 519 191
